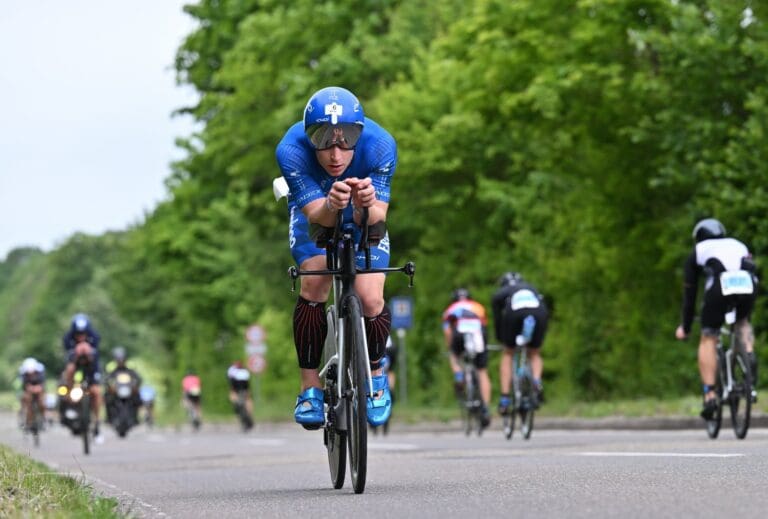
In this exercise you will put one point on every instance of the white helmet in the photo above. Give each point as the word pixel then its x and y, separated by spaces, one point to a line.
pixel 30 365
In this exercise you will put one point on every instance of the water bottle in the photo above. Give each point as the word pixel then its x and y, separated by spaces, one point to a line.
pixel 529 323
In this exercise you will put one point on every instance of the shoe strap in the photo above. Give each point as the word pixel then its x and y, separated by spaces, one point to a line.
pixel 309 394
pixel 380 383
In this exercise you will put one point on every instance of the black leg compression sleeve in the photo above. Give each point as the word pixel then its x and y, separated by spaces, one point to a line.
pixel 753 367
pixel 376 333
pixel 309 330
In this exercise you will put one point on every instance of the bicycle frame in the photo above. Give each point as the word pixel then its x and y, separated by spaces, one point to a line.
pixel 520 369
pixel 341 255
pixel 725 372
pixel 341 264
pixel 730 390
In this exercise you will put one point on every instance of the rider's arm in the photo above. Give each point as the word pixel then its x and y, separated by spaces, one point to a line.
pixel 497 309
pixel 690 287
pixel 449 321
pixel 376 213
pixel 320 211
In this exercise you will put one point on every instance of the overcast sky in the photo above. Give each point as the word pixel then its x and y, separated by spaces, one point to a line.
pixel 86 95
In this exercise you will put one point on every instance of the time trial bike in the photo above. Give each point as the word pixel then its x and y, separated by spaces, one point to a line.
pixel 33 416
pixel 346 370
pixel 471 400
pixel 524 397
pixel 733 382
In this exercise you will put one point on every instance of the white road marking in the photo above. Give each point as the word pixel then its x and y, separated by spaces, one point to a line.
pixel 661 454
pixel 392 446
pixel 127 497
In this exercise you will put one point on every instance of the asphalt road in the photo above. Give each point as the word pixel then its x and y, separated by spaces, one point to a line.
pixel 281 471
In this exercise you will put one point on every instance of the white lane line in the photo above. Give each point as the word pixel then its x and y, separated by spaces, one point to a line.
pixel 661 454
pixel 392 446
pixel 126 497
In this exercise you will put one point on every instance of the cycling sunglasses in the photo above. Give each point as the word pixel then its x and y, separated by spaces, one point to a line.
pixel 324 136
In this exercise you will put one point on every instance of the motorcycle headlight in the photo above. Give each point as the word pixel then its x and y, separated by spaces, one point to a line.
pixel 76 394
pixel 62 390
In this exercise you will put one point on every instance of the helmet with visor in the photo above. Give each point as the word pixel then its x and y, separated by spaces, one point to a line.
pixel 333 117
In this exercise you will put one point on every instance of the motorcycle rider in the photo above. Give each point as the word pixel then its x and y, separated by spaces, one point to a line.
pixel 119 365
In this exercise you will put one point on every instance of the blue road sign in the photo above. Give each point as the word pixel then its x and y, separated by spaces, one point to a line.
pixel 402 312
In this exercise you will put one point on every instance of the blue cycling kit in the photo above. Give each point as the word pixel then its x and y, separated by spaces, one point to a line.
pixel 375 157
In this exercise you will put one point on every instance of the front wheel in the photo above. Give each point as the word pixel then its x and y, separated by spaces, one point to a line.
pixel 37 422
pixel 336 445
pixel 740 398
pixel 357 379
pixel 85 421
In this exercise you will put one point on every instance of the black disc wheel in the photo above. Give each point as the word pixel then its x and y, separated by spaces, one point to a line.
pixel 356 374
pixel 740 399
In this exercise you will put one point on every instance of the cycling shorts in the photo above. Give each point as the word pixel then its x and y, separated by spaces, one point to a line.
pixel 480 360
pixel 716 305
pixel 512 326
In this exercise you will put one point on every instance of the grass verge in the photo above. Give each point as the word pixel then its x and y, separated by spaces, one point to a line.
pixel 30 489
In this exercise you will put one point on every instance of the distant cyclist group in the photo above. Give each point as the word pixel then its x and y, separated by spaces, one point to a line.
pixel 126 399
pixel 520 318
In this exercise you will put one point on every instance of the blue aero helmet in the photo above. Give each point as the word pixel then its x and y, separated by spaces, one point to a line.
pixel 80 323
pixel 333 117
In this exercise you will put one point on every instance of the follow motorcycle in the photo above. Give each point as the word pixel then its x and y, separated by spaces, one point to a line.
pixel 123 401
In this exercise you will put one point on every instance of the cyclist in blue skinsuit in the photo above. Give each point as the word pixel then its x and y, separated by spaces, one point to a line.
pixel 336 159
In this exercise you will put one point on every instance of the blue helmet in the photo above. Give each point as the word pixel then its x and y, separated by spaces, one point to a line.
pixel 333 117
pixel 81 323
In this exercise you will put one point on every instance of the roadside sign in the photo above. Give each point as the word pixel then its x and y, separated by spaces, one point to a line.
pixel 257 363
pixel 255 334
pixel 255 349
pixel 402 312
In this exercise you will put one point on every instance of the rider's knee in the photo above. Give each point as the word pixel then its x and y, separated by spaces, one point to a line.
pixel 372 301
pixel 315 289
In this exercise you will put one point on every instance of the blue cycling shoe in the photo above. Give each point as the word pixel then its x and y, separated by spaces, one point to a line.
pixel 309 408
pixel 379 409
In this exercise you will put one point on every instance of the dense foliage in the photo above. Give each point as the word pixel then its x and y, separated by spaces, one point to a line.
pixel 575 141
